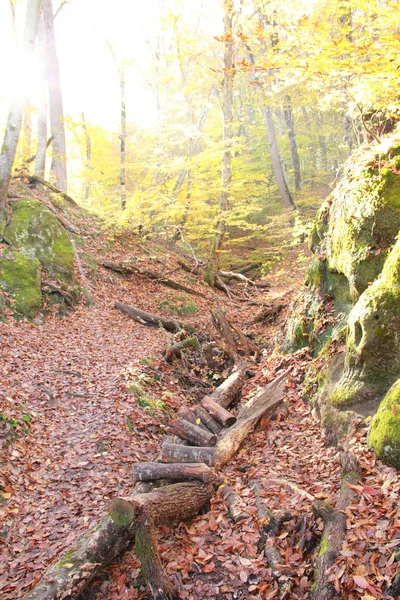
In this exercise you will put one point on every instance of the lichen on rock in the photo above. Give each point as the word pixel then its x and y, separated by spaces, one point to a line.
pixel 36 232
pixel 384 432
pixel 20 279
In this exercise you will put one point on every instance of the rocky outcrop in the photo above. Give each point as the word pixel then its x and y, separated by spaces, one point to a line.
pixel 353 283
pixel 384 432
pixel 36 233
pixel 37 247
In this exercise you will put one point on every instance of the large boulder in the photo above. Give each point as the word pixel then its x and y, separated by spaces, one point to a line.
pixel 36 232
pixel 384 432
pixel 353 283
pixel 20 279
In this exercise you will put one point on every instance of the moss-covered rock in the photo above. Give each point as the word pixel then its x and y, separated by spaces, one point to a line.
pixel 384 432
pixel 36 232
pixel 373 339
pixel 20 279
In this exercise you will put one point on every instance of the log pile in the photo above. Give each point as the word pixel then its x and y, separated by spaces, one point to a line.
pixel 175 488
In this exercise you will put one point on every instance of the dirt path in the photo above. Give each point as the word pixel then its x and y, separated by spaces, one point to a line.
pixel 70 376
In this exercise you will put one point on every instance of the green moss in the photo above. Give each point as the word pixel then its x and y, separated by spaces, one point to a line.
pixel 20 278
pixel 373 339
pixel 324 546
pixel 36 232
pixel 384 432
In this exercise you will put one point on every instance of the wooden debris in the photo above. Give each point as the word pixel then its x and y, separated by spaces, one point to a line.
pixel 218 412
pixel 229 391
pixel 192 433
pixel 207 420
pixel 232 501
pixel 334 528
pixel 173 471
pixel 173 453
pixel 145 318
pixel 127 268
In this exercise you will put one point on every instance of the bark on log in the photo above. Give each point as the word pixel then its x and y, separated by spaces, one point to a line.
pixel 334 528
pixel 145 318
pixel 143 513
pixel 175 471
pixel 232 501
pixel 175 439
pixel 172 453
pixel 189 415
pixel 192 433
pixel 207 420
pixel 69 576
pixel 218 413
pixel 229 391
pixel 228 343
pixel 128 269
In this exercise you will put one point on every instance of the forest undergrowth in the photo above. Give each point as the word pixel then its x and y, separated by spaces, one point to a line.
pixel 86 395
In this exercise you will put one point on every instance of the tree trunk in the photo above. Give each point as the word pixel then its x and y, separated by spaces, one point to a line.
pixel 88 149
pixel 229 73
pixel 122 137
pixel 277 168
pixel 59 158
pixel 13 127
pixel 41 147
pixel 288 114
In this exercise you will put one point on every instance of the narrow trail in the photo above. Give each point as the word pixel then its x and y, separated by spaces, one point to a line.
pixel 87 430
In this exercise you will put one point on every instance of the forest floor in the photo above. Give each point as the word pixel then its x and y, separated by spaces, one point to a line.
pixel 72 429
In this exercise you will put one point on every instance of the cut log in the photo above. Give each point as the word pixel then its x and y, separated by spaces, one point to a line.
pixel 207 420
pixel 144 512
pixel 230 390
pixel 145 318
pixel 127 268
pixel 188 414
pixel 334 528
pixel 175 471
pixel 192 433
pixel 232 501
pixel 175 439
pixel 172 453
pixel 220 414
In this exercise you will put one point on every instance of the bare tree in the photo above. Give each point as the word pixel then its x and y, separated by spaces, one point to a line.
pixel 59 156
pixel 229 74
pixel 13 127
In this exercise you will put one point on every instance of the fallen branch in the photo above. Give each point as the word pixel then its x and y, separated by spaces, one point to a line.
pixel 334 528
pixel 145 318
pixel 176 349
pixel 53 188
pixel 126 268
